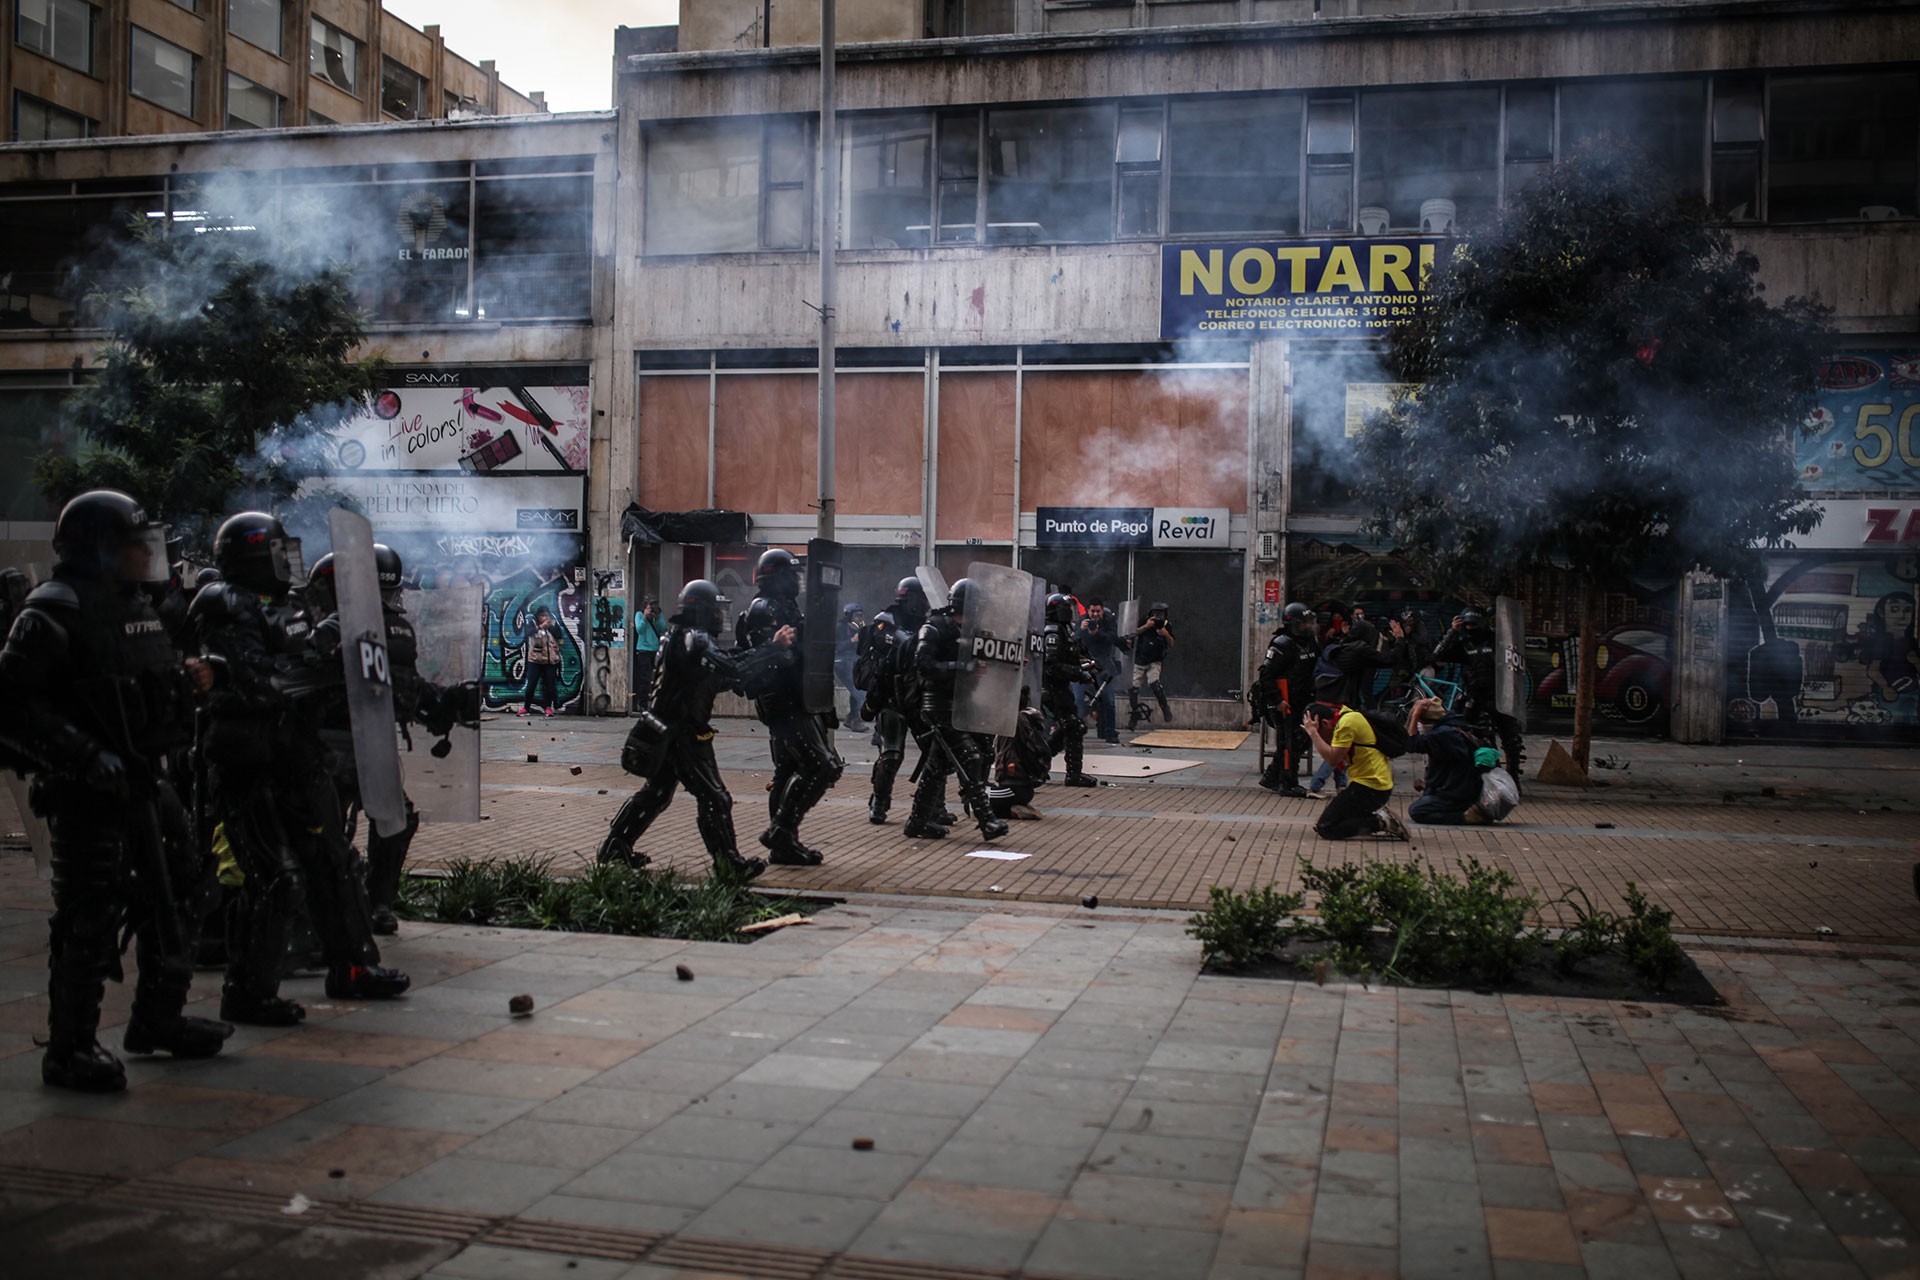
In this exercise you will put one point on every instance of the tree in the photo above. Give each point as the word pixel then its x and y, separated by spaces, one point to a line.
pixel 1601 387
pixel 230 359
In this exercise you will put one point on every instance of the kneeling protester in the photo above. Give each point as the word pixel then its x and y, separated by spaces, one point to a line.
pixel 1365 744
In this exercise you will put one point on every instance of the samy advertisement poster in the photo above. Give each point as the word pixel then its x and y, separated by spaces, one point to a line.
pixel 473 420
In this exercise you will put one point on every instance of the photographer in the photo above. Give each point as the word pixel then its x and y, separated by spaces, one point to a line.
pixel 1151 641
pixel 647 632
pixel 1101 636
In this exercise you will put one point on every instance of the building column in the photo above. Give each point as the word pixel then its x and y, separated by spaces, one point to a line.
pixel 436 74
pixel 1271 376
pixel 1699 690
pixel 116 63
pixel 211 110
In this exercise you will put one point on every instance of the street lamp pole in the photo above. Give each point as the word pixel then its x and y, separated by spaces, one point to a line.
pixel 829 234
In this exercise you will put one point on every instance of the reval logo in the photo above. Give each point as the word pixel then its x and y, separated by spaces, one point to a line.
pixel 1187 529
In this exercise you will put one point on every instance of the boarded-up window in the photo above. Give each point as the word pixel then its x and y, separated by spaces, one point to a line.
pixel 975 498
pixel 673 443
pixel 764 451
pixel 1175 438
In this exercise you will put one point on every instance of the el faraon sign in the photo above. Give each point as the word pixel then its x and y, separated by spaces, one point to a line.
pixel 1326 287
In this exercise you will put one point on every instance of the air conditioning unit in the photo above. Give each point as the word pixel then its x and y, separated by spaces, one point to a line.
pixel 1266 545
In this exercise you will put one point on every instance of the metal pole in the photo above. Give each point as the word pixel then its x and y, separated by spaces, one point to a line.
pixel 829 235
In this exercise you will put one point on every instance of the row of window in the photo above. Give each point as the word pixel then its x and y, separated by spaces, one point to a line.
pixel 167 75
pixel 1780 147
pixel 461 241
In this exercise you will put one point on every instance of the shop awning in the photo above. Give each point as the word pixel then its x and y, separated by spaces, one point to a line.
pixel 708 525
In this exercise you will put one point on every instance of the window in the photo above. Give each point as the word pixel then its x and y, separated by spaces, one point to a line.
pixel 250 106
pixel 314 117
pixel 1530 134
pixel 1137 153
pixel 334 56
pixel 1666 119
pixel 1429 157
pixel 403 93
pixel 533 247
pixel 969 18
pixel 191 6
pixel 957 219
pixel 163 73
pixel 51 258
pixel 1842 147
pixel 703 187
pixel 257 22
pixel 1330 164
pixel 1050 174
pixel 786 218
pixel 1739 130
pixel 37 121
pixel 889 181
pixel 58 29
pixel 1236 165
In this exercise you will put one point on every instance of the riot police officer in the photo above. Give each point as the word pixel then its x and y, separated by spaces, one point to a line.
pixel 1065 663
pixel 273 782
pixel 671 743
pixel 910 610
pixel 1471 643
pixel 1280 695
pixel 805 763
pixel 99 694
pixel 416 701
pixel 936 661
pixel 876 666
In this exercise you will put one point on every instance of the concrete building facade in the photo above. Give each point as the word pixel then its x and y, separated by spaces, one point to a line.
pixel 1052 244
pixel 77 69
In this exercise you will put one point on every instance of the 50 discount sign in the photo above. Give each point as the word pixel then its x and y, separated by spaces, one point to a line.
pixel 1865 433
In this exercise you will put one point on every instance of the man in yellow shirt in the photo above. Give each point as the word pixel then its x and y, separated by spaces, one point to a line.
pixel 1343 737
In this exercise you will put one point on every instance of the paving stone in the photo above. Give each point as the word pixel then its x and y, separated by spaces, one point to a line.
pixel 491 1262
pixel 653 1178
pixel 1121 1251
pixel 994 1164
pixel 1513 1186
pixel 550 1143
pixel 869 1175
pixel 1340 1218
pixel 717 1137
pixel 476 1186
pixel 1424 1159
pixel 795 1219
pixel 1610 1260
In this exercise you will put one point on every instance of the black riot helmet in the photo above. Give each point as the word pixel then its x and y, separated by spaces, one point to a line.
pixel 883 622
pixel 1297 617
pixel 777 574
pixel 701 606
pixel 1160 609
pixel 104 533
pixel 206 577
pixel 322 596
pixel 959 597
pixel 251 551
pixel 1473 619
pixel 387 567
pixel 14 586
pixel 912 595
pixel 1059 608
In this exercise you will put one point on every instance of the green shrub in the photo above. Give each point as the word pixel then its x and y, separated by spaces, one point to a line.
pixel 525 893
pixel 1243 928
pixel 1593 933
pixel 1646 940
pixel 1345 906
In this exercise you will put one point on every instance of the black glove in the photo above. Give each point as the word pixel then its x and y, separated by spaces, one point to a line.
pixel 107 773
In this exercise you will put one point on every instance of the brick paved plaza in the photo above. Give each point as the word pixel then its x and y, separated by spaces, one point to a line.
pixel 1048 1091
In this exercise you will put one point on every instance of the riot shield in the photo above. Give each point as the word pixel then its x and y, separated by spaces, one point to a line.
pixel 934 584
pixel 822 613
pixel 363 653
pixel 994 640
pixel 1034 671
pixel 1129 623
pixel 1510 659
pixel 449 626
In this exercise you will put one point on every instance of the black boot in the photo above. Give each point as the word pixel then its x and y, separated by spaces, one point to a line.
pixel 181 1036
pixel 728 862
pixel 1135 712
pixel 257 1010
pixel 1160 696
pixel 1080 780
pixel 876 813
pixel 365 982
pixel 785 850
pixel 86 1070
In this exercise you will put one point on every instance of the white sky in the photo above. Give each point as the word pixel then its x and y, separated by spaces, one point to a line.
pixel 562 46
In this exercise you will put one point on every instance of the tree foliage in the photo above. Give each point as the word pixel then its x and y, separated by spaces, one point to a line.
pixel 1601 386
pixel 230 359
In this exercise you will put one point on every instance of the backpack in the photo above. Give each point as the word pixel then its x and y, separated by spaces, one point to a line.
pixel 1325 665
pixel 1389 734
pixel 1028 754
pixel 873 665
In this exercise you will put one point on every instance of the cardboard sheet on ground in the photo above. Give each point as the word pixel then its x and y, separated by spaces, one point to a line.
pixel 999 855
pixel 1135 766
pixel 1193 739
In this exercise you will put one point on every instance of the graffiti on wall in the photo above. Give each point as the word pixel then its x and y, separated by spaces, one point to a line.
pixel 1826 649
pixel 511 606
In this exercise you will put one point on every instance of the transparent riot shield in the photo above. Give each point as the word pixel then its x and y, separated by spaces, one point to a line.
pixel 449 626
pixel 934 583
pixel 1036 662
pixel 363 652
pixel 994 640
pixel 1129 626
pixel 1510 658
pixel 822 612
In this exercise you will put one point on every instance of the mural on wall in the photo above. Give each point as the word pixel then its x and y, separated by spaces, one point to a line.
pixel 1827 649
pixel 1634 687
pixel 1864 435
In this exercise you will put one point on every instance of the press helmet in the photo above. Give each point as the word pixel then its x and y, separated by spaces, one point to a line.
pixel 106 533
pixel 250 550
pixel 1059 608
pixel 700 605
pixel 777 574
